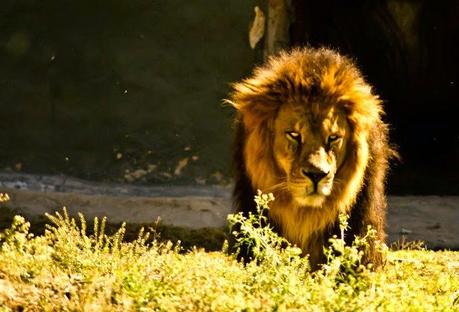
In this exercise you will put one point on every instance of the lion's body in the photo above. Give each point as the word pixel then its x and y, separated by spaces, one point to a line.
pixel 309 130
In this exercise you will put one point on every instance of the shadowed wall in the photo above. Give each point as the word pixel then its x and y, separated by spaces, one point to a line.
pixel 120 90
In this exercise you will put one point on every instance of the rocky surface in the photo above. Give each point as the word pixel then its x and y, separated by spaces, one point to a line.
pixel 432 219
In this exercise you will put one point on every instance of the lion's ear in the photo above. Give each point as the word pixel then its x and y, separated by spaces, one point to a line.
pixel 255 103
pixel 364 109
pixel 254 114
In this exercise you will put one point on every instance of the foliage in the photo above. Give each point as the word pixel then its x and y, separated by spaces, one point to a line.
pixel 69 268
pixel 255 233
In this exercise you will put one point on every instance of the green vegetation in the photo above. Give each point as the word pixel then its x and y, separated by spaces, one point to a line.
pixel 72 268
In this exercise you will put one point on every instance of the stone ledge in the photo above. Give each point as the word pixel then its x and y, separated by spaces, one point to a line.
pixel 433 219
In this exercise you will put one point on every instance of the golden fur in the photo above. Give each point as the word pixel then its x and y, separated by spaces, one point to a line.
pixel 310 131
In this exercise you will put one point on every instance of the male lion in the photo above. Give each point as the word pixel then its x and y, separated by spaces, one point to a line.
pixel 309 130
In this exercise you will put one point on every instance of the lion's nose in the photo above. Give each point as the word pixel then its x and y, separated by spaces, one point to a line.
pixel 314 174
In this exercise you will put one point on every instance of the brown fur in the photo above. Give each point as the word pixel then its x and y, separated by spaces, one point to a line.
pixel 318 92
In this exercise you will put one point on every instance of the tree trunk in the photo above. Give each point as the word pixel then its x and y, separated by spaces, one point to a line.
pixel 277 34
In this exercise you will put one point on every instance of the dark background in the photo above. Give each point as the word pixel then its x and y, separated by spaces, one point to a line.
pixel 103 89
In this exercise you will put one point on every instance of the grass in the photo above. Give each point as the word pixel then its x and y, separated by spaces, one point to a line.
pixel 211 239
pixel 70 267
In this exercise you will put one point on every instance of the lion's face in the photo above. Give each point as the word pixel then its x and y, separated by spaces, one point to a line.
pixel 309 147
pixel 306 117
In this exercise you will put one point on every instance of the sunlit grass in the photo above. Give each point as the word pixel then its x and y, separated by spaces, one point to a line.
pixel 72 268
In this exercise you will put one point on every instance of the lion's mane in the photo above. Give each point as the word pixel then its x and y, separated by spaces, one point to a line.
pixel 360 192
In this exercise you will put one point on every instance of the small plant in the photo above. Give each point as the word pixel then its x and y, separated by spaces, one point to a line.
pixel 16 237
pixel 345 263
pixel 255 233
pixel 404 244
pixel 4 197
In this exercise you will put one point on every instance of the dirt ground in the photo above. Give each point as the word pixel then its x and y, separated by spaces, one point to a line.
pixel 432 219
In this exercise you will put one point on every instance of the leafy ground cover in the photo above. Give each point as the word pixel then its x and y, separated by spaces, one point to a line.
pixel 71 267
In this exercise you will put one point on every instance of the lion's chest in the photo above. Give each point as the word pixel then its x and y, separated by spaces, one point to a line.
pixel 300 225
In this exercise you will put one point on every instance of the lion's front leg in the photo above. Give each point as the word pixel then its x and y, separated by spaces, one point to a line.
pixel 359 223
pixel 370 208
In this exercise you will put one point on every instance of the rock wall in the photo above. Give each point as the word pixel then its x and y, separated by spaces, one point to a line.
pixel 120 90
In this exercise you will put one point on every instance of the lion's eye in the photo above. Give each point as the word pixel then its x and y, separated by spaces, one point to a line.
pixel 333 138
pixel 293 135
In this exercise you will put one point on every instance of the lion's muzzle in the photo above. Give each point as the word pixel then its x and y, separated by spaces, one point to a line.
pixel 314 174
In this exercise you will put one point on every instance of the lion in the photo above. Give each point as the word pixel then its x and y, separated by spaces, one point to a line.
pixel 309 130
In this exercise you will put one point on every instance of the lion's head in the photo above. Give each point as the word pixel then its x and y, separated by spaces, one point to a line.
pixel 306 116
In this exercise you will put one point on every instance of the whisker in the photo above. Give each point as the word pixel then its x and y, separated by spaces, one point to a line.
pixel 297 182
pixel 276 187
